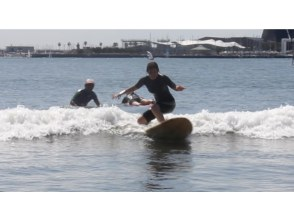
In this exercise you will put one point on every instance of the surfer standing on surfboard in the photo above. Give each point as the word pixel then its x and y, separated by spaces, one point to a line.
pixel 156 84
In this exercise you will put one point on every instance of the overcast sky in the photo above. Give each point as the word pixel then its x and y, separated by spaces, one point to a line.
pixel 43 24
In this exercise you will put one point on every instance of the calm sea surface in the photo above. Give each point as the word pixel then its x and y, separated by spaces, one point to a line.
pixel 242 112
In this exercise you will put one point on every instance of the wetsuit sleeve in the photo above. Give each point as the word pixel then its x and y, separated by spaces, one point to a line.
pixel 169 82
pixel 140 83
pixel 73 100
pixel 95 98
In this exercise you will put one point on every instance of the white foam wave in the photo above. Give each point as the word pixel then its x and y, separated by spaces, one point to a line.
pixel 24 123
pixel 275 123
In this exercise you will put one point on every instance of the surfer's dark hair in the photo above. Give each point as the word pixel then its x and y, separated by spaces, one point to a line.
pixel 125 100
pixel 152 65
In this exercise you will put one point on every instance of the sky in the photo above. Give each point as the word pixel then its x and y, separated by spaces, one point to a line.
pixel 43 24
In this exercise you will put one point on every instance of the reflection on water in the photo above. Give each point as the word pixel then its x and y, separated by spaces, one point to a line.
pixel 166 162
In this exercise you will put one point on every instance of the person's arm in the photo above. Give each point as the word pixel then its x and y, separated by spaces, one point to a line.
pixel 147 102
pixel 172 85
pixel 126 91
pixel 96 100
pixel 135 103
pixel 138 85
pixel 72 102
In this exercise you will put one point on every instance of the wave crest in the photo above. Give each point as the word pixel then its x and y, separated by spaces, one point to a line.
pixel 24 123
pixel 267 124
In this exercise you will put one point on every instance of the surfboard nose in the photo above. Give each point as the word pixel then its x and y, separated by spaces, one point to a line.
pixel 175 128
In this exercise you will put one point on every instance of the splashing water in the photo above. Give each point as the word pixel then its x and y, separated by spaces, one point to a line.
pixel 24 123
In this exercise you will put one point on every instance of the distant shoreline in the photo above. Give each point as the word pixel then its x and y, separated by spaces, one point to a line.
pixel 143 56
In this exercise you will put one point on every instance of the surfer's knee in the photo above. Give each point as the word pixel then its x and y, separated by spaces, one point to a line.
pixel 142 121
pixel 157 113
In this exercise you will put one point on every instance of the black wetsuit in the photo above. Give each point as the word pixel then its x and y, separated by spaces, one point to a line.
pixel 159 88
pixel 83 97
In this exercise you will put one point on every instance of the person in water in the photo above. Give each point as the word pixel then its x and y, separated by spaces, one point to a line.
pixel 83 96
pixel 136 100
pixel 158 85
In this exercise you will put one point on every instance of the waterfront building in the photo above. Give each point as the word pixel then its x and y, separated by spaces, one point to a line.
pixel 19 49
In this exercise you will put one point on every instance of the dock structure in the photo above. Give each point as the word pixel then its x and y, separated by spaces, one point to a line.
pixel 135 43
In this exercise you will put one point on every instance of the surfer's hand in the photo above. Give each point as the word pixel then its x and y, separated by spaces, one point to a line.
pixel 115 96
pixel 180 88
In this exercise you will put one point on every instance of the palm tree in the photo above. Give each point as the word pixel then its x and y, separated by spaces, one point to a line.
pixel 59 45
pixel 85 43
pixel 100 44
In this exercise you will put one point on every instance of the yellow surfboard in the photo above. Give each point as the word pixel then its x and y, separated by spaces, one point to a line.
pixel 175 128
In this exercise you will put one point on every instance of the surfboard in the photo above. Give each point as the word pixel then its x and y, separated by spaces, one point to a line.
pixel 172 129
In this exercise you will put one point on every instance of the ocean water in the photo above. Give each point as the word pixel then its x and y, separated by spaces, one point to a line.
pixel 242 111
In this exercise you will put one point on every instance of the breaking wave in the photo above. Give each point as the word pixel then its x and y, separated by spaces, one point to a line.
pixel 28 124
